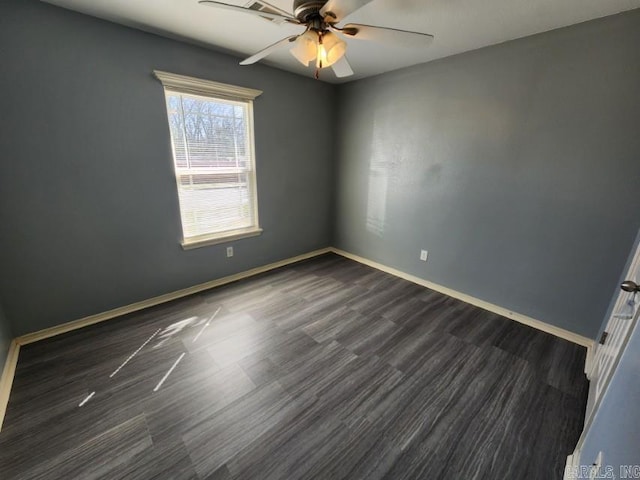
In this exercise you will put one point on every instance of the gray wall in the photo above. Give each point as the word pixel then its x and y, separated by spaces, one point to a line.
pixel 88 202
pixel 517 166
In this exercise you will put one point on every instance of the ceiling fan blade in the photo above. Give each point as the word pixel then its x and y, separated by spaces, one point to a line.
pixel 339 9
pixel 266 51
pixel 235 8
pixel 342 68
pixel 387 35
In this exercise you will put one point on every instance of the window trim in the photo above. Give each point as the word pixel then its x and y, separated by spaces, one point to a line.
pixel 173 82
pixel 199 86
pixel 215 239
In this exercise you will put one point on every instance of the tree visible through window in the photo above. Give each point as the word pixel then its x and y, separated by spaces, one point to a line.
pixel 212 145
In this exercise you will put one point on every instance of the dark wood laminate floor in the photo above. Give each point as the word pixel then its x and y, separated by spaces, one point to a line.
pixel 324 369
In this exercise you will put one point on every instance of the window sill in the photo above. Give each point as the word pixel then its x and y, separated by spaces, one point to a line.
pixel 224 238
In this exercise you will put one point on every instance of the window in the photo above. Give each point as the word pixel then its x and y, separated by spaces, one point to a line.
pixel 211 127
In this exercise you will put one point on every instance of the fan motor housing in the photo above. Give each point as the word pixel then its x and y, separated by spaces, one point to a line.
pixel 305 10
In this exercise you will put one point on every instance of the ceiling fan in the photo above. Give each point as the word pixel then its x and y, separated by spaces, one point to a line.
pixel 322 39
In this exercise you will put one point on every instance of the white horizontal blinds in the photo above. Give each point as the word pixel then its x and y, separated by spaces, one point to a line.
pixel 212 154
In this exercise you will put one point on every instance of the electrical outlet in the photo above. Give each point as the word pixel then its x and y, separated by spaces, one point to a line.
pixel 229 251
pixel 423 255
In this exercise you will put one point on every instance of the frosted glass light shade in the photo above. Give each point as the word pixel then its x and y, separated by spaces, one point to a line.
pixel 326 51
pixel 330 50
pixel 305 48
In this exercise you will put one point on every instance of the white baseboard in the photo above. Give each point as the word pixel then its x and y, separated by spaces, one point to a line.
pixel 588 362
pixel 570 468
pixel 12 358
pixel 6 381
pixel 505 312
pixel 116 312
pixel 167 297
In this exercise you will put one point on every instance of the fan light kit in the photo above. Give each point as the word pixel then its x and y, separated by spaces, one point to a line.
pixel 323 40
pixel 325 47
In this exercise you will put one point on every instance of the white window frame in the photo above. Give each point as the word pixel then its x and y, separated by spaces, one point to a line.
pixel 174 83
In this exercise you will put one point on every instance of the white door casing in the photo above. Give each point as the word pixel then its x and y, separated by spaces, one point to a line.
pixel 620 324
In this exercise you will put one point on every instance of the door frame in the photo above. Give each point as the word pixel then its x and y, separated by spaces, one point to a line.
pixel 573 460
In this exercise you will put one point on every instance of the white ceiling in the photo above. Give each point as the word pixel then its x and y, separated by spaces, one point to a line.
pixel 458 26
